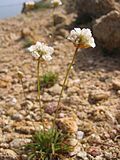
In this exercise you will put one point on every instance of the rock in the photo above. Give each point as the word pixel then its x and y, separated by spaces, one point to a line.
pixel 24 157
pixel 17 117
pixel 80 135
pixel 94 151
pixel 67 125
pixel 7 154
pixel 28 105
pixel 101 114
pixel 4 145
pixel 93 138
pixel 75 151
pixel 25 129
pixel 117 116
pixel 26 32
pixel 4 70
pixel 107 31
pixel 5 81
pixel 70 6
pixel 1 137
pixel 82 154
pixel 116 84
pixel 59 18
pixel 61 115
pixel 87 127
pixel 55 90
pixel 60 33
pixel 51 108
pixel 73 142
pixel 118 92
pixel 18 142
pixel 11 101
pixel 98 95
pixel 47 97
pixel 88 9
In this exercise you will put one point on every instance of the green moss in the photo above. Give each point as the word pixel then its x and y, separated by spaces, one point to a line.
pixel 49 79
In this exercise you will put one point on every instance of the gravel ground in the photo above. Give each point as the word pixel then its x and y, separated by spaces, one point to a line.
pixel 92 92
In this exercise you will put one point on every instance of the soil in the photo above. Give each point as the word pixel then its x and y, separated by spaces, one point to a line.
pixel 92 74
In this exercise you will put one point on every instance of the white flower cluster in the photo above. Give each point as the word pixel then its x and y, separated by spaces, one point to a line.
pixel 40 50
pixel 82 38
pixel 56 3
pixel 30 3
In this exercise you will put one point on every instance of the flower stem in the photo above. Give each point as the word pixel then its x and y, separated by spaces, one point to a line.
pixel 63 86
pixel 39 92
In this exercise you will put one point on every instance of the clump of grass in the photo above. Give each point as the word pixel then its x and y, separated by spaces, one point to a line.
pixel 48 145
pixel 49 79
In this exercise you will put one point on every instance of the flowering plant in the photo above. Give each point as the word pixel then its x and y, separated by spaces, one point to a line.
pixel 56 3
pixel 41 51
pixel 82 38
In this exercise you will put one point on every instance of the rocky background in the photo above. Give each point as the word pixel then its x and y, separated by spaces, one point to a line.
pixel 104 18
pixel 90 105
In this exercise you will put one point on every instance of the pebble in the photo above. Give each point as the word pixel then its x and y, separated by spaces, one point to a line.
pixel 67 125
pixel 7 154
pixel 18 142
pixel 94 151
pixel 47 97
pixel 28 105
pixel 3 70
pixel 80 135
pixel 93 138
pixel 73 142
pixel 17 117
pixel 82 154
pixel 61 115
pixel 4 145
pixel 25 129
pixel 55 90
pixel 98 95
pixel 51 108
pixel 11 101
pixel 116 84
pixel 75 151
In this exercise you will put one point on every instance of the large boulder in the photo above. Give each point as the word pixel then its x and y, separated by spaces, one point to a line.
pixel 95 8
pixel 70 5
pixel 91 9
pixel 107 31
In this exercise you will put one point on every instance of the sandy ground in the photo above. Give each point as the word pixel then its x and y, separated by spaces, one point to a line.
pixel 92 74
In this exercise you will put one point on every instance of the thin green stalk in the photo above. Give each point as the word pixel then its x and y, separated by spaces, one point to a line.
pixel 63 86
pixel 39 92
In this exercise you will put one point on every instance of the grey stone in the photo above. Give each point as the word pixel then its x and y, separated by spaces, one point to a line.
pixel 18 142
pixel 107 31
pixel 7 154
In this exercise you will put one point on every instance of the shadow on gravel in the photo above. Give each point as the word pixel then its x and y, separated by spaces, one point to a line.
pixel 96 60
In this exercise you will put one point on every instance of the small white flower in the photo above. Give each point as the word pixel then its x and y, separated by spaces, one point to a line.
pixel 40 50
pixel 82 38
pixel 30 3
pixel 56 3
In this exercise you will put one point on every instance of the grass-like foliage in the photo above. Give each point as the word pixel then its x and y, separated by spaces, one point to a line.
pixel 48 145
pixel 49 79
